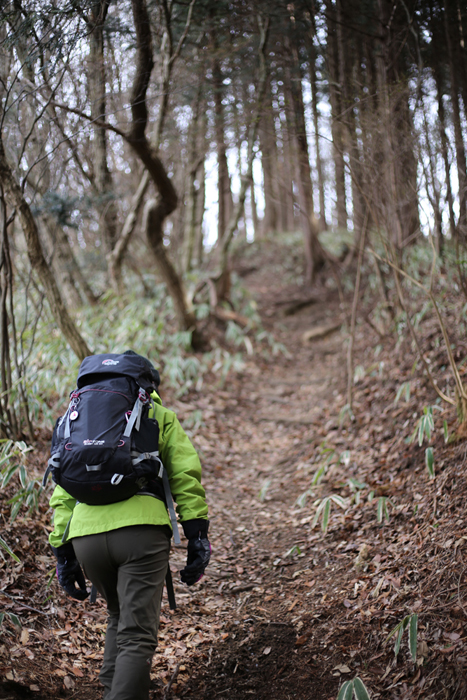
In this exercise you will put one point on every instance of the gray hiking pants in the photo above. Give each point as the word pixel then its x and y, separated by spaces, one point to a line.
pixel 128 568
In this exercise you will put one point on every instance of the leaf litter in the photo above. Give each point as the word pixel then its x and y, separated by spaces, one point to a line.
pixel 284 611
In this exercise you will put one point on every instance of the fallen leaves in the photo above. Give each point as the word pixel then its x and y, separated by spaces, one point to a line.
pixel 273 583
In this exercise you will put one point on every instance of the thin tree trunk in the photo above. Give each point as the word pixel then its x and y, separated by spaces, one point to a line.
pixel 195 160
pixel 314 255
pixel 269 162
pixel 68 271
pixel 337 130
pixel 16 199
pixel 350 77
pixel 115 257
pixel 445 151
pixel 200 208
pixel 254 212
pixel 252 134
pixel 432 187
pixel 156 210
pixel 287 199
pixel 456 116
pixel 319 162
pixel 97 90
pixel 225 204
pixel 388 190
pixel 186 317
pixel 353 321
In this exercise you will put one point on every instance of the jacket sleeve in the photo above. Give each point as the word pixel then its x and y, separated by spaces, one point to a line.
pixel 183 467
pixel 63 505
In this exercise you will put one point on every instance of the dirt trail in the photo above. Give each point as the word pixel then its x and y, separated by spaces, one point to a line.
pixel 262 580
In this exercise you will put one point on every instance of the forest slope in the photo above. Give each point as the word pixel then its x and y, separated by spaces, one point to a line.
pixel 284 611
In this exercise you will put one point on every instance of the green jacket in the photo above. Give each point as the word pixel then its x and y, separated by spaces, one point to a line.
pixel 184 470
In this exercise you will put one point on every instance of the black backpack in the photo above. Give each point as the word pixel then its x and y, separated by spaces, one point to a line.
pixel 105 448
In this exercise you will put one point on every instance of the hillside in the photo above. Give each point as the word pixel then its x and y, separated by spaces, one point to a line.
pixel 285 610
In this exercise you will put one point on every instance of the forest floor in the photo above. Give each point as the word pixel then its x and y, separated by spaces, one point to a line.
pixel 285 611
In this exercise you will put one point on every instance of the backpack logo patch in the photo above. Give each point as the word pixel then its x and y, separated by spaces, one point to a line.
pixel 93 442
pixel 110 362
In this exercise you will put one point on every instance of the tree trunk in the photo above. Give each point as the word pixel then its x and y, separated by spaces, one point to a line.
pixel 286 175
pixel 445 149
pixel 225 203
pixel 115 257
pixel 457 121
pixel 350 62
pixel 186 318
pixel 314 255
pixel 15 197
pixel 388 190
pixel 314 106
pixel 269 163
pixel 97 94
pixel 157 210
pixel 200 208
pixel 247 177
pixel 194 161
pixel 254 212
pixel 337 129
pixel 169 56
pixel 58 263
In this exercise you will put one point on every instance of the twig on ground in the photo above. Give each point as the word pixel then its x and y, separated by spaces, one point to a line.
pixel 169 685
pixel 23 605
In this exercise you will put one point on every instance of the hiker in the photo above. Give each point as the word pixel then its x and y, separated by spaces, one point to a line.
pixel 123 547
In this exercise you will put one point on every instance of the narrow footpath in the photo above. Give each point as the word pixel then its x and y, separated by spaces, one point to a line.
pixel 259 434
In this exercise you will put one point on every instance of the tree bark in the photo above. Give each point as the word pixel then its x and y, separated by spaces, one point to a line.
pixel 254 212
pixel 314 256
pixel 186 317
pixel 225 202
pixel 58 262
pixel 68 270
pixel 286 175
pixel 445 149
pixel 314 107
pixel 97 93
pixel 200 208
pixel 457 122
pixel 269 163
pixel 116 256
pixel 337 129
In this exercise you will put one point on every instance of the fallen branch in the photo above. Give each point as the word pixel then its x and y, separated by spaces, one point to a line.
pixel 169 685
pixel 320 332
pixel 228 315
pixel 23 605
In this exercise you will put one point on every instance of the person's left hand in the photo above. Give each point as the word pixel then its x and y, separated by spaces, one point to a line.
pixel 69 571
pixel 198 550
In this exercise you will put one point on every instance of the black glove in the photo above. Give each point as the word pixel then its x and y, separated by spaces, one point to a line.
pixel 198 550
pixel 69 571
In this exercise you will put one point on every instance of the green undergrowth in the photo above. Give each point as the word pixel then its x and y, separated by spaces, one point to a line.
pixel 145 323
